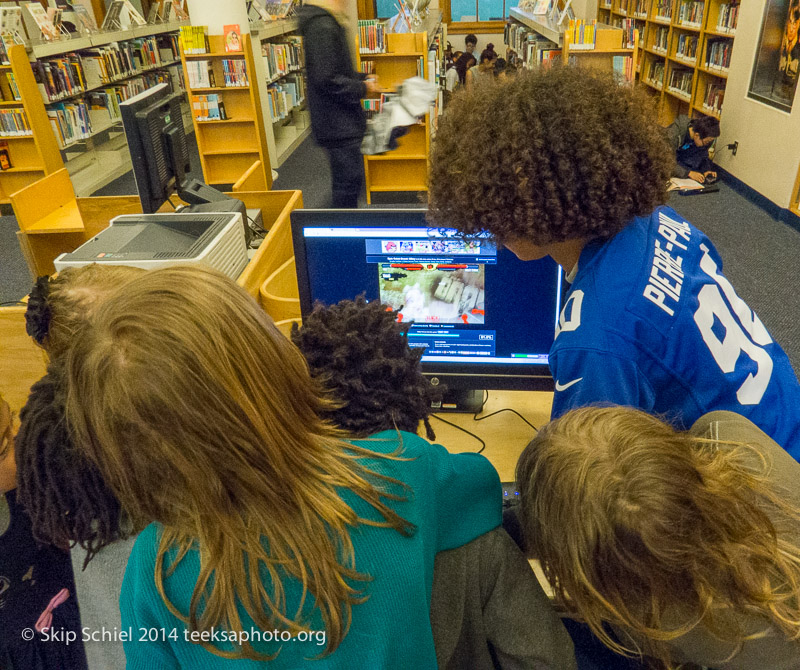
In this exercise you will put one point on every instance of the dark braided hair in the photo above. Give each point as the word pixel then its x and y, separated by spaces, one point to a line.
pixel 38 314
pixel 359 352
pixel 63 492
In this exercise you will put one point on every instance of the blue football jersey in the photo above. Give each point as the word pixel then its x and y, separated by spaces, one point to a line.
pixel 651 322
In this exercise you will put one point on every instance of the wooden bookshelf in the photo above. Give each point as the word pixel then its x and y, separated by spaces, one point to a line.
pixel 404 168
pixel 236 148
pixel 608 45
pixel 32 156
pixel 794 205
pixel 666 24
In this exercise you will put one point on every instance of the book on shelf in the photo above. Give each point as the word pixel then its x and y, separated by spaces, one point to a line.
pixel 208 108
pixel 234 71
pixel 132 15
pixel 663 10
pixel 371 37
pixel 83 8
pixel 623 66
pixel 232 37
pixel 655 74
pixel 718 54
pixel 367 67
pixel 12 86
pixel 581 35
pixel 686 47
pixel 530 48
pixel 726 20
pixel 10 20
pixel 60 77
pixel 286 96
pixel 200 74
pixel 194 39
pixel 113 17
pixel 14 123
pixel 5 156
pixel 714 95
pixel 280 58
pixel 70 122
pixel 660 41
pixel 37 21
pixel 680 81
pixel 629 28
pixel 690 13
pixel 178 12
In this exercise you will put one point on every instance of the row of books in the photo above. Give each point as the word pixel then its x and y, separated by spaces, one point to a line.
pixel 655 73
pixel 285 96
pixel 690 13
pixel 12 86
pixel 208 108
pixel 75 73
pixel 715 92
pixel 531 48
pixel 641 9
pixel 661 39
pixel 280 58
pixel 200 74
pixel 367 66
pixel 629 28
pixel 234 71
pixel 718 54
pixel 686 47
pixel 581 34
pixel 371 37
pixel 14 123
pixel 728 15
pixel 680 81
pixel 194 39
pixel 623 66
pixel 663 9
pixel 74 121
pixel 372 106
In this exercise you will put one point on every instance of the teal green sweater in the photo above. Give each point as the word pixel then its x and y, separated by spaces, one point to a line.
pixel 453 499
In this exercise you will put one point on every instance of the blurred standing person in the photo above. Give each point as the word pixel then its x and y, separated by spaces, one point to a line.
pixel 335 90
pixel 471 46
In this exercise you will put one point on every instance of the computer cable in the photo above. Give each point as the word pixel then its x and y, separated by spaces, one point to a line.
pixel 463 430
pixel 475 416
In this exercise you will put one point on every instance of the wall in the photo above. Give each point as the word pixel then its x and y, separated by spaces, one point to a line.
pixel 213 14
pixel 769 140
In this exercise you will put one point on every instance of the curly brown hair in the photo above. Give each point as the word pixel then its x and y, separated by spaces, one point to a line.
pixel 548 156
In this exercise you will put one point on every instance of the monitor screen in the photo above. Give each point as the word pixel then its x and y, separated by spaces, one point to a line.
pixel 484 318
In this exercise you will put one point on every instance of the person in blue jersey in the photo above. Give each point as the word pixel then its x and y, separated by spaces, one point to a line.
pixel 574 168
pixel 270 537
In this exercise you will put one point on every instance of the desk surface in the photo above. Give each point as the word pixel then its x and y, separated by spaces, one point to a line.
pixel 505 434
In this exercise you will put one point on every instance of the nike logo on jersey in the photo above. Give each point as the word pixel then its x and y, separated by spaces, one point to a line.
pixel 564 387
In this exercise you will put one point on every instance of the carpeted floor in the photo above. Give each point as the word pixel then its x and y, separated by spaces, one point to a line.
pixel 759 252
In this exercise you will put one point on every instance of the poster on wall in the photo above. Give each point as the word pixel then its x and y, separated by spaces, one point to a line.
pixel 775 72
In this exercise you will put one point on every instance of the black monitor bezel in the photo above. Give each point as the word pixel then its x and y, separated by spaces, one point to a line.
pixel 497 376
pixel 133 113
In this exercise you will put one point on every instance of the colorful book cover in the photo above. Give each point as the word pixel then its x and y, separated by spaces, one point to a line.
pixel 233 38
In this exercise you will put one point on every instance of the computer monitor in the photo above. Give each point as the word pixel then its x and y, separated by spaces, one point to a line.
pixel 157 142
pixel 486 319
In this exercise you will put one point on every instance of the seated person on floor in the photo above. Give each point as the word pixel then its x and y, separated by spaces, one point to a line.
pixel 486 602
pixel 685 544
pixel 650 320
pixel 691 139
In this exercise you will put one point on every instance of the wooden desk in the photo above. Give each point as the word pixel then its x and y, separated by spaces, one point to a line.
pixel 506 435
pixel 21 362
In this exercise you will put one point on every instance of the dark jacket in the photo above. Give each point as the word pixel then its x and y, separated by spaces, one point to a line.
pixel 488 611
pixel 334 88
pixel 688 156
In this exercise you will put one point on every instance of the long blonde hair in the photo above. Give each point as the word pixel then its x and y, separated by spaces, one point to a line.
pixel 653 530
pixel 202 416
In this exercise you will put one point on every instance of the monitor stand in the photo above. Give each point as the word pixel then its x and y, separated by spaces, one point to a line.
pixel 460 400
